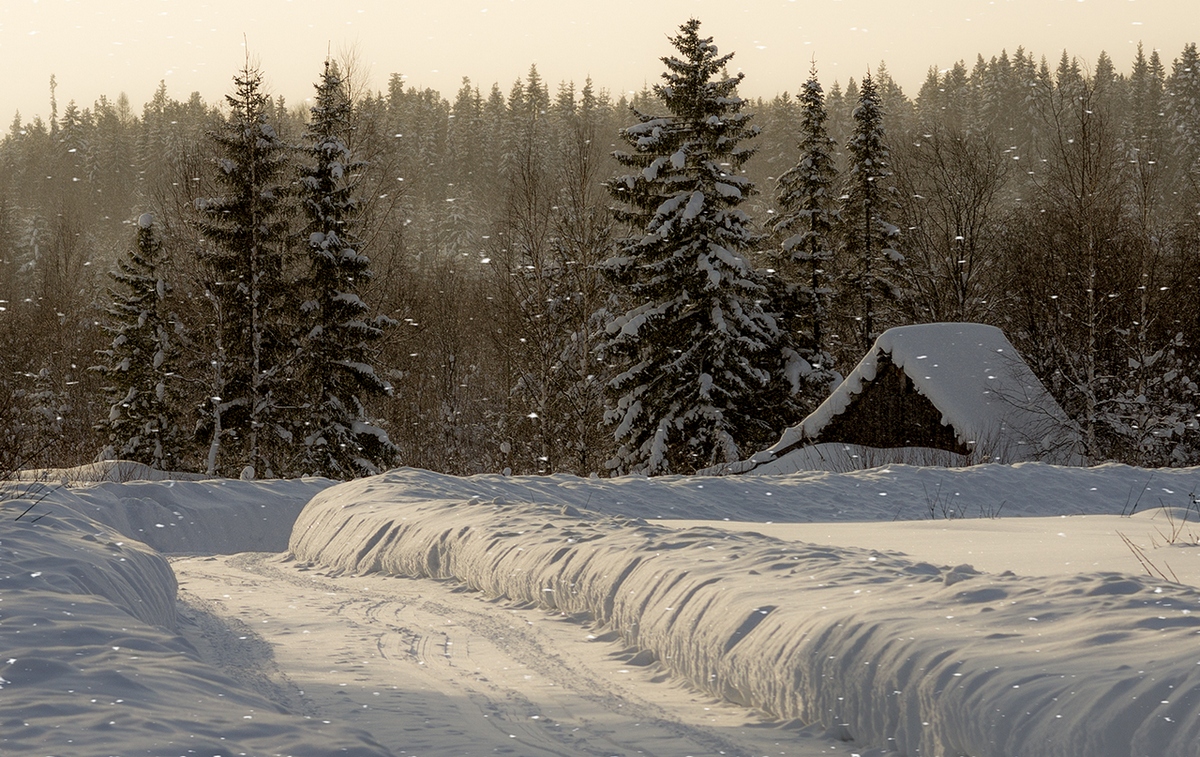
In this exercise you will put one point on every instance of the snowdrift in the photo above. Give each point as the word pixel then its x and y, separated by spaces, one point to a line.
pixel 903 655
pixel 215 517
pixel 63 553
pixel 912 657
pixel 91 663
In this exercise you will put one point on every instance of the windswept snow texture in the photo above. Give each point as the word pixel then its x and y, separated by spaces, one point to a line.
pixel 90 663
pixel 894 653
pixel 53 552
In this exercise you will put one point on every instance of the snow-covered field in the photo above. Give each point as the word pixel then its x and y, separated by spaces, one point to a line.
pixel 995 610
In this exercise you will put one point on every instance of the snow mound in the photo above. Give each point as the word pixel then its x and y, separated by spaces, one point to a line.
pixel 917 658
pixel 91 662
pixel 53 551
pixel 215 516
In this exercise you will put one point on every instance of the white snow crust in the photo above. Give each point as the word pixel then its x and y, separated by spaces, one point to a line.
pixel 104 470
pixel 838 458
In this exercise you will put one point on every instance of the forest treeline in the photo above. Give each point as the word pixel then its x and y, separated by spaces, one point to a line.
pixel 474 268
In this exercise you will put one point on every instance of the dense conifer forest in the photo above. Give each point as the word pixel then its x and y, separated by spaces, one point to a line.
pixel 439 280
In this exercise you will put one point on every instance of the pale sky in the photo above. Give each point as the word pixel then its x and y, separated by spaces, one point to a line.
pixel 97 47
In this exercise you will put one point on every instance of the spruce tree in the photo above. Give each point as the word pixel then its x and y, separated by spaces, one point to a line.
pixel 807 219
pixel 690 348
pixel 333 372
pixel 246 231
pixel 533 283
pixel 142 362
pixel 465 140
pixel 840 105
pixel 867 234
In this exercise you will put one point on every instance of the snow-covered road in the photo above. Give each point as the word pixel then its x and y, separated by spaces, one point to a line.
pixel 1066 637
pixel 429 669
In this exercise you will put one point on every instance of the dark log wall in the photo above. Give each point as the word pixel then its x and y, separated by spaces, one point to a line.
pixel 891 413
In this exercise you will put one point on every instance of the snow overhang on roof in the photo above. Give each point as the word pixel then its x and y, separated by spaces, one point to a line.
pixel 974 377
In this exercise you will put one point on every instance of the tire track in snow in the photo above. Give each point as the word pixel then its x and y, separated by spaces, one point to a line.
pixel 430 669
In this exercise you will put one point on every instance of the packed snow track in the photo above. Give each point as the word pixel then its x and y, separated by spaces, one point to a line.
pixel 429 669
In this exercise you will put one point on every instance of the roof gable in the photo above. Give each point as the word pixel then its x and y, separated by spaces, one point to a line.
pixel 984 392
pixel 890 412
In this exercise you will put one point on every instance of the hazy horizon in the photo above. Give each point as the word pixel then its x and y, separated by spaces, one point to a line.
pixel 129 46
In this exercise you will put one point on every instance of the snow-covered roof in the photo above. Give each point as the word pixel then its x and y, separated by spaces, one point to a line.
pixel 974 377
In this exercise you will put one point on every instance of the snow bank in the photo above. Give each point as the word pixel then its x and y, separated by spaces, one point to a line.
pixel 59 552
pixel 216 516
pixel 897 492
pixel 837 457
pixel 903 655
pixel 104 470
pixel 91 663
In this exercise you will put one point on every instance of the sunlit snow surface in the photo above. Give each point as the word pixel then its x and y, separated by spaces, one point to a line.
pixel 904 654
pixel 899 653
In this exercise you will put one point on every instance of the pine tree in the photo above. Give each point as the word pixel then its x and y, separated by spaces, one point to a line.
pixel 466 136
pixel 1107 84
pixel 897 108
pixel 777 119
pixel 691 351
pixel 333 370
pixel 1068 77
pixel 529 280
pixel 868 234
pixel 808 217
pixel 246 229
pixel 142 362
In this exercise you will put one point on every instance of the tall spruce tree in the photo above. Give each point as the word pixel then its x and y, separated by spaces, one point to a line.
pixel 692 353
pixel 141 363
pixel 246 230
pixel 807 220
pixel 867 234
pixel 332 364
